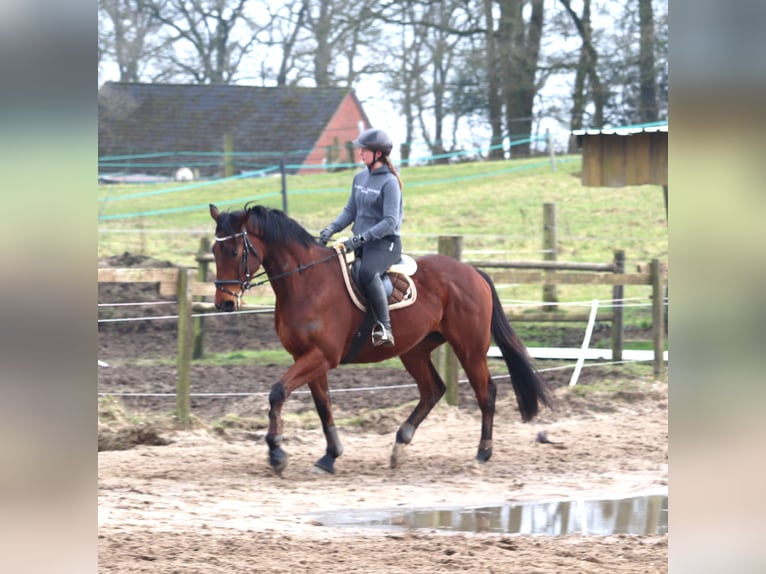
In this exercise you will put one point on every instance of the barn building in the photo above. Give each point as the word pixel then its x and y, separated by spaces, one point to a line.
pixel 224 129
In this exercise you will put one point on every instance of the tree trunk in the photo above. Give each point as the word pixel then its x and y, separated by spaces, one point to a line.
pixel 510 19
pixel 496 151
pixel 648 98
pixel 578 94
pixel 323 54
pixel 528 87
pixel 289 45
pixel 589 61
pixel 519 54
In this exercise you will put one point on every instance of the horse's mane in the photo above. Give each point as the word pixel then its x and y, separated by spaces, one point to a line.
pixel 277 228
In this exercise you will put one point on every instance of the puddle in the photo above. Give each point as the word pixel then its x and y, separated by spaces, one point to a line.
pixel 636 515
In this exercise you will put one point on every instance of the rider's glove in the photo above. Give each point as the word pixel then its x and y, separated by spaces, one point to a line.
pixel 353 243
pixel 324 235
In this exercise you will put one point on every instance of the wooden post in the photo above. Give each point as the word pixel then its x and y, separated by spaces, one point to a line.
pixel 549 253
pixel 551 152
pixel 618 309
pixel 228 158
pixel 658 318
pixel 185 335
pixel 284 184
pixel 198 349
pixel 447 363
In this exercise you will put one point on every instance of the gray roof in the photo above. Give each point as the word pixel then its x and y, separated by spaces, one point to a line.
pixel 150 118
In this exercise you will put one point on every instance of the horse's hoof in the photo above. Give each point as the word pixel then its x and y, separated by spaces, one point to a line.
pixel 484 454
pixel 278 460
pixel 398 454
pixel 325 465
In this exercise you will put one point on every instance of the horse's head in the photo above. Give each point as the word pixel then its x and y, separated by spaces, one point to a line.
pixel 236 259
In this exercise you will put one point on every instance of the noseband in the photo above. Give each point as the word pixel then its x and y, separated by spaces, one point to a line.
pixel 244 284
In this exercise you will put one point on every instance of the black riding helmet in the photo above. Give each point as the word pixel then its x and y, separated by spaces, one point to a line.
pixel 375 140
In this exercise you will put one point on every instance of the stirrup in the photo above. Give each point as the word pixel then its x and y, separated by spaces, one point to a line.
pixel 382 336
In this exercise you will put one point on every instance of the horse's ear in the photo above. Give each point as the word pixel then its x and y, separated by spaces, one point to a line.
pixel 214 212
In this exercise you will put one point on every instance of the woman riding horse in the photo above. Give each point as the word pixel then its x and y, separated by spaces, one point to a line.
pixel 316 321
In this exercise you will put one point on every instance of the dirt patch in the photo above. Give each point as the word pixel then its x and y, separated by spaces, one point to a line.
pixel 206 501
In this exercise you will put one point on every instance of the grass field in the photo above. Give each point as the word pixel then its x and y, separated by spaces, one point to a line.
pixel 496 206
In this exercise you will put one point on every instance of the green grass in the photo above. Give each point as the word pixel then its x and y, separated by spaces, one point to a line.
pixel 496 206
pixel 634 377
pixel 246 357
pixel 255 357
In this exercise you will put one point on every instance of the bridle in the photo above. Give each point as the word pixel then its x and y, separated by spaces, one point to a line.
pixel 247 282
pixel 244 284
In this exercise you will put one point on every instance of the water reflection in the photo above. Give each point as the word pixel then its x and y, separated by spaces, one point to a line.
pixel 636 515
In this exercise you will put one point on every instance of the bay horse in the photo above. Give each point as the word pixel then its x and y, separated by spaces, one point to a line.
pixel 316 322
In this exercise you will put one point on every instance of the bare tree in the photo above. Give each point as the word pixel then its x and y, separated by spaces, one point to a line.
pixel 445 63
pixel 588 66
pixel 339 36
pixel 128 37
pixel 519 52
pixel 207 47
pixel 405 80
pixel 282 30
pixel 433 41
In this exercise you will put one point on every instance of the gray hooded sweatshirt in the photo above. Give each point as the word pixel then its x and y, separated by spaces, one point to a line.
pixel 374 206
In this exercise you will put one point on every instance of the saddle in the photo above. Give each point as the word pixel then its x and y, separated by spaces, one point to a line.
pixel 397 280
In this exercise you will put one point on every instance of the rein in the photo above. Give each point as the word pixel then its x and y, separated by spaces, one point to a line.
pixel 247 283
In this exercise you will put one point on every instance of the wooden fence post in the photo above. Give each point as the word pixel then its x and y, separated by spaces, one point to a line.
pixel 198 349
pixel 658 318
pixel 228 157
pixel 618 309
pixel 447 363
pixel 551 151
pixel 283 173
pixel 185 336
pixel 549 253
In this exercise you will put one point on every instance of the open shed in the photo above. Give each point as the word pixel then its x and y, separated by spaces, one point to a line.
pixel 630 155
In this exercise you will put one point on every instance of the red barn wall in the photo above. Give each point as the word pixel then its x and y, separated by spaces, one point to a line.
pixel 343 127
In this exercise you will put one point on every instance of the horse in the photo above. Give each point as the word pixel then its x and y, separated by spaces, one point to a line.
pixel 316 323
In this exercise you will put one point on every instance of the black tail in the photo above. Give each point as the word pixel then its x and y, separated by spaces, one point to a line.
pixel 530 389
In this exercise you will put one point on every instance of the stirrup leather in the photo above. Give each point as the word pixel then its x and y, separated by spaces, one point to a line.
pixel 381 336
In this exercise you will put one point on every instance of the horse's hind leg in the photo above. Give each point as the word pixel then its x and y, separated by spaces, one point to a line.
pixel 431 387
pixel 321 395
pixel 475 366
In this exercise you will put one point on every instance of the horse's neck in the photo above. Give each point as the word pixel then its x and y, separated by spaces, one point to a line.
pixel 284 267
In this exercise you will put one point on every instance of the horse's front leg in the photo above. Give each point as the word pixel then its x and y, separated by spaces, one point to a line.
pixel 308 367
pixel 277 456
pixel 321 395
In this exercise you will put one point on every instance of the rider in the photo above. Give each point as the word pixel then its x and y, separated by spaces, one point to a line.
pixel 375 208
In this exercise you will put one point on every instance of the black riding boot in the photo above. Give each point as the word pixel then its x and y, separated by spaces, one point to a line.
pixel 378 301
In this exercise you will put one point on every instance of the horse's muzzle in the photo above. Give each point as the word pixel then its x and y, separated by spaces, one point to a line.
pixel 227 305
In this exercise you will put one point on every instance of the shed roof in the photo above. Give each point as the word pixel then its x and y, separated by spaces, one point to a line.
pixel 625 130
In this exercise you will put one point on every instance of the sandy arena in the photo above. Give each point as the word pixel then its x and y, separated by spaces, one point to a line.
pixel 208 502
